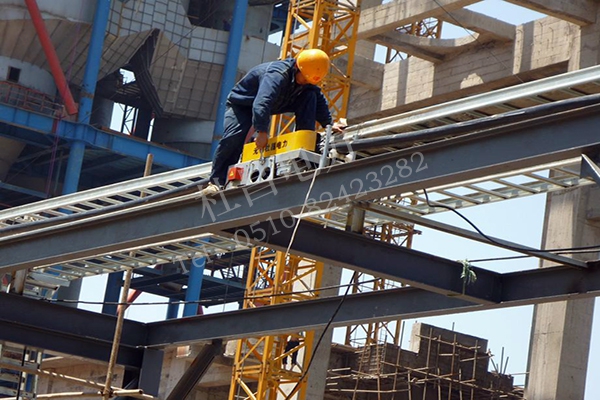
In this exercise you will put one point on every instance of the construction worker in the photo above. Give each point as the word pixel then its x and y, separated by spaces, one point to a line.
pixel 267 89
pixel 292 342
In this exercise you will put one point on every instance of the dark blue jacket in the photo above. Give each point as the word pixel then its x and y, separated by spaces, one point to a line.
pixel 270 88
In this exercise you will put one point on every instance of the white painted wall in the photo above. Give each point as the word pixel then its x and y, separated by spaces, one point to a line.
pixel 74 10
pixel 31 76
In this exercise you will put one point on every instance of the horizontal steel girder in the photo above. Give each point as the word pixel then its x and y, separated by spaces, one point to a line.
pixel 16 122
pixel 68 330
pixel 523 288
pixel 357 252
pixel 501 149
pixel 422 270
pixel 90 332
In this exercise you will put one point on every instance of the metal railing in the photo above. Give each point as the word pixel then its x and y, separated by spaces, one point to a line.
pixel 16 95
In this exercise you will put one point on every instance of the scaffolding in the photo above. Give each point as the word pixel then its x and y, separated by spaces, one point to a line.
pixel 444 365
pixel 15 360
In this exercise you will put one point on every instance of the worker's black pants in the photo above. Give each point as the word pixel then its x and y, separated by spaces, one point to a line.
pixel 237 123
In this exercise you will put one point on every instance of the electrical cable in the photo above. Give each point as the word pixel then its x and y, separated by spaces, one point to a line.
pixel 478 126
pixel 491 240
pixel 528 256
pixel 298 219
pixel 203 301
pixel 499 258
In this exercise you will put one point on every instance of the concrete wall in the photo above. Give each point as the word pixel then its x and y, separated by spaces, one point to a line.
pixel 75 10
pixel 541 48
pixel 95 372
pixel 31 75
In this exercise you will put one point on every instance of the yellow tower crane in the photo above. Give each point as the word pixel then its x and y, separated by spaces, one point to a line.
pixel 276 277
pixel 260 369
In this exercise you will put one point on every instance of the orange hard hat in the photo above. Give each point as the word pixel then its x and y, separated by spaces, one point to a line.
pixel 313 65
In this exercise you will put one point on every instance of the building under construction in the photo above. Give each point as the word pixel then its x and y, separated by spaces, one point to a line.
pixel 435 125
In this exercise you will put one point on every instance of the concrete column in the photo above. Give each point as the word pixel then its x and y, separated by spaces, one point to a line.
pixel 365 48
pixel 561 332
pixel 317 373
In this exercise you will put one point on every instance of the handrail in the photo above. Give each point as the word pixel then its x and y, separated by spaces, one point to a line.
pixel 20 96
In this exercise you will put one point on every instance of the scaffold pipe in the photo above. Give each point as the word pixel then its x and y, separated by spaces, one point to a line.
pixel 55 68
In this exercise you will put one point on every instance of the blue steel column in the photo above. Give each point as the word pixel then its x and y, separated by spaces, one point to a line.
pixel 92 66
pixel 86 99
pixel 232 57
pixel 172 309
pixel 112 292
pixel 194 287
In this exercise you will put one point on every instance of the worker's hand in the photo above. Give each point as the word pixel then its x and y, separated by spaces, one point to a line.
pixel 261 140
pixel 339 127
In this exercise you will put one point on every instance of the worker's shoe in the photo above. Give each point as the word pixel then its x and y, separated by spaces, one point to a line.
pixel 209 190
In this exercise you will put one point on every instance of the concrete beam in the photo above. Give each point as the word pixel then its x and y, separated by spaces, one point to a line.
pixel 402 42
pixel 430 49
pixel 481 23
pixel 387 17
pixel 542 48
pixel 580 12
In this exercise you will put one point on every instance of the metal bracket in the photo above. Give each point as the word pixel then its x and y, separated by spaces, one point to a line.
pixel 589 169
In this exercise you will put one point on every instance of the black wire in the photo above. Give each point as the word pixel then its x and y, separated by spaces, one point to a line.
pixel 224 300
pixel 499 258
pixel 515 248
pixel 321 336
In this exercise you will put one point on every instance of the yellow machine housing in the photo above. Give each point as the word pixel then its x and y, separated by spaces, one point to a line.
pixel 297 140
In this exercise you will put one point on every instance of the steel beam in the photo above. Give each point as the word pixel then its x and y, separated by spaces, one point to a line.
pixel 357 252
pixel 590 169
pixel 45 325
pixel 196 370
pixel 67 330
pixel 306 315
pixel 497 150
pixel 17 120
pixel 541 285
